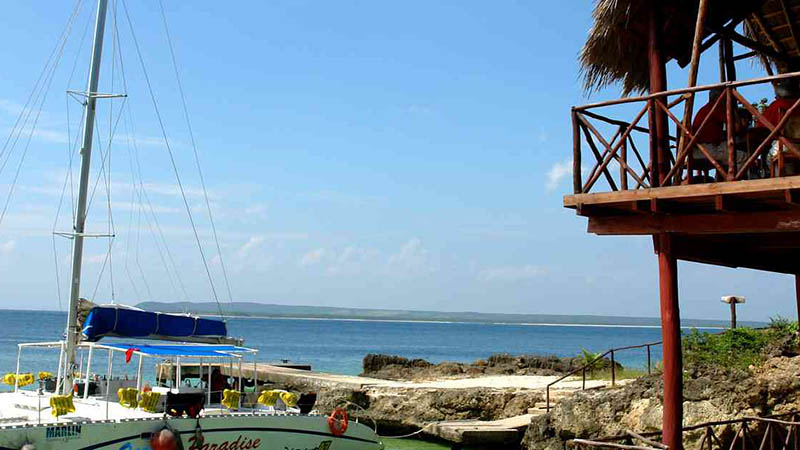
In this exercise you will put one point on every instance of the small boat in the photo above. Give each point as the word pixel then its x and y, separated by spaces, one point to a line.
pixel 82 408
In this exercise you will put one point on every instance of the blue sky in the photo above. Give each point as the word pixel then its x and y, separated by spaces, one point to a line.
pixel 397 155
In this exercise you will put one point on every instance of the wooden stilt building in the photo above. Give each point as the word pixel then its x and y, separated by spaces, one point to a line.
pixel 640 169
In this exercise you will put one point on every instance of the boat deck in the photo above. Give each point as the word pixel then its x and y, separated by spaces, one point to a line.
pixel 27 408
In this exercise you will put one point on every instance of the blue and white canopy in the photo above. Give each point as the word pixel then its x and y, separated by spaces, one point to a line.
pixel 182 350
pixel 128 322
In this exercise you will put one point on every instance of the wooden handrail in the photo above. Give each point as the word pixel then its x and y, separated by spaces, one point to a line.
pixel 594 361
pixel 617 150
pixel 707 87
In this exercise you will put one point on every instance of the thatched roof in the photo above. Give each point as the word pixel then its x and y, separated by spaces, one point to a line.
pixel 617 47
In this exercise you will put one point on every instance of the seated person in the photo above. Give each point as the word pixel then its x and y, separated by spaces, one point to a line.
pixel 786 94
pixel 713 136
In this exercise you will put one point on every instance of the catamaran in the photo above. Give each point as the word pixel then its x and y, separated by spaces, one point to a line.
pixel 78 409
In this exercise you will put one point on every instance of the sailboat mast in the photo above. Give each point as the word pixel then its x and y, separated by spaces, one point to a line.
pixel 90 104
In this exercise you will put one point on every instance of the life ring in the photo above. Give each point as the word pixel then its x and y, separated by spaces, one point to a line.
pixel 337 421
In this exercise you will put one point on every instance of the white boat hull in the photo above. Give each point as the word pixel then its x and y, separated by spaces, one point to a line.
pixel 224 432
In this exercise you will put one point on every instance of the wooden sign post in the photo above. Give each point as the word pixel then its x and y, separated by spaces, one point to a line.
pixel 733 301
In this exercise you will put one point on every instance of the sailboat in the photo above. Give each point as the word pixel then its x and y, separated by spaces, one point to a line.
pixel 76 409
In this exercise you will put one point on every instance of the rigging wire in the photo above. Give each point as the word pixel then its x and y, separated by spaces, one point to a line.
pixel 59 45
pixel 142 194
pixel 43 93
pixel 172 158
pixel 194 149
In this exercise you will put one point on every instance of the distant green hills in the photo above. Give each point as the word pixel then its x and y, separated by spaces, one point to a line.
pixel 252 309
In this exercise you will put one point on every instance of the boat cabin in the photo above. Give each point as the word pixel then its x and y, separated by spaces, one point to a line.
pixel 111 393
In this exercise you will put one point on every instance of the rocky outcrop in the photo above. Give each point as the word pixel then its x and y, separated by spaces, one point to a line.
pixel 398 368
pixel 403 410
pixel 709 395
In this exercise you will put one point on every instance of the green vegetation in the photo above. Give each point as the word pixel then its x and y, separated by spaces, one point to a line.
pixel 737 348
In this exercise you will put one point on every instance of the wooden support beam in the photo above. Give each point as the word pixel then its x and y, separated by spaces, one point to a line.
pixel 685 192
pixel 672 414
pixel 734 253
pixel 792 197
pixel 790 20
pixel 658 83
pixel 730 223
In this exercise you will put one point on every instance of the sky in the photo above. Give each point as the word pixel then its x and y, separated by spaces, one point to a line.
pixel 404 155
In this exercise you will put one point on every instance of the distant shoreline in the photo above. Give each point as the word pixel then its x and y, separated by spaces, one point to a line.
pixel 525 324
pixel 288 312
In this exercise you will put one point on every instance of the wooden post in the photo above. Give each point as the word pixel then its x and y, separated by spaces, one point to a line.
pixel 577 183
pixel 672 419
pixel 722 77
pixel 658 83
pixel 797 295
pixel 613 370
pixel 648 361
pixel 733 315
pixel 688 110
pixel 730 120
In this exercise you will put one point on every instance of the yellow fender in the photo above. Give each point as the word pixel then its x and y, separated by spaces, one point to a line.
pixel 61 404
pixel 128 397
pixel 270 397
pixel 289 399
pixel 230 399
pixel 10 379
pixel 45 375
pixel 149 401
pixel 25 379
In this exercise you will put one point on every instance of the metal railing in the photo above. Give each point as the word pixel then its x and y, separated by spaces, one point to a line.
pixel 595 361
pixel 619 161
pixel 750 433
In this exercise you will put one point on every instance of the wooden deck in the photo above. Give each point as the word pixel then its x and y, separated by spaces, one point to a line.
pixel 750 223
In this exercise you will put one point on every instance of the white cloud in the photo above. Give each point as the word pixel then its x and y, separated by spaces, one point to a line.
pixel 57 137
pixel 412 258
pixel 8 246
pixel 556 173
pixel 10 107
pixel 511 273
pixel 250 245
pixel 312 258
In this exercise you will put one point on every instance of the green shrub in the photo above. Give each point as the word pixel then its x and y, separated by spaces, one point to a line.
pixel 735 348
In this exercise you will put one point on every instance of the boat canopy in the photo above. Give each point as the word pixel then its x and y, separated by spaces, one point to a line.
pixel 128 322
pixel 183 350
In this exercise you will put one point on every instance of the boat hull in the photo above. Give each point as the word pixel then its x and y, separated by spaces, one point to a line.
pixel 231 432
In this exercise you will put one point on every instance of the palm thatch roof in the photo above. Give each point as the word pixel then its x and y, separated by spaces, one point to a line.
pixel 616 50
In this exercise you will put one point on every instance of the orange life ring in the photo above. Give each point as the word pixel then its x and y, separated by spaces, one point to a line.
pixel 337 421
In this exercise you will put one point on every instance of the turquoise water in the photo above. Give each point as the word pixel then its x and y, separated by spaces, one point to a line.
pixel 339 345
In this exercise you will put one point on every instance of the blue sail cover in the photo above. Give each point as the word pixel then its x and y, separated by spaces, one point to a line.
pixel 104 321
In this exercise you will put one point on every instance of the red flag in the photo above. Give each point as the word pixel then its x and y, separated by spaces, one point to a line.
pixel 129 354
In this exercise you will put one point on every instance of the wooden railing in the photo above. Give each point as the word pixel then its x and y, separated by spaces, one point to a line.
pixel 779 432
pixel 622 163
pixel 595 361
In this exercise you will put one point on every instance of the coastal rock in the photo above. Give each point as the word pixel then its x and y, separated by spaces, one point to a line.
pixel 709 395
pixel 391 367
pixel 404 410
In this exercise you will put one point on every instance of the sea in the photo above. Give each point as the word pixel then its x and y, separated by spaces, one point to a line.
pixel 338 346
